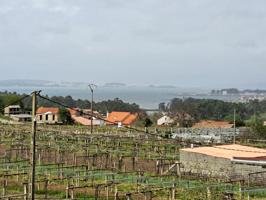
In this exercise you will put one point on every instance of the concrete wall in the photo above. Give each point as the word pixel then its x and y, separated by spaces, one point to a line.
pixel 215 167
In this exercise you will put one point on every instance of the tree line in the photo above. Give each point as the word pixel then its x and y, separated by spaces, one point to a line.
pixel 251 114
pixel 214 109
pixel 7 98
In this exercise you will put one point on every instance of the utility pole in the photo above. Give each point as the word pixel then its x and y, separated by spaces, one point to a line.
pixel 33 145
pixel 234 125
pixel 92 86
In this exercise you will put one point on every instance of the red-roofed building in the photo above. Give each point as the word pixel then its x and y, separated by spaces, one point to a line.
pixel 223 160
pixel 49 115
pixel 74 111
pixel 121 118
pixel 83 117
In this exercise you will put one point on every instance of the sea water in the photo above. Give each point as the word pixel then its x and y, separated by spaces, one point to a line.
pixel 145 96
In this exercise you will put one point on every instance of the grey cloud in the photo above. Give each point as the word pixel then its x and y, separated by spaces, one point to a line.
pixel 247 44
pixel 193 42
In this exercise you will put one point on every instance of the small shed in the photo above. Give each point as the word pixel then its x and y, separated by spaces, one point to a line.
pixel 224 160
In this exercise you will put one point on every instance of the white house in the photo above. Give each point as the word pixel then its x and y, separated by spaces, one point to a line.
pixel 165 120
pixel 16 114
pixel 13 110
pixel 48 115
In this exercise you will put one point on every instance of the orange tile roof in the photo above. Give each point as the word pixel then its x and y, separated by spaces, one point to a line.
pixel 43 110
pixel 130 119
pixel 229 151
pixel 73 111
pixel 86 113
pixel 212 124
pixel 85 121
pixel 81 120
pixel 125 118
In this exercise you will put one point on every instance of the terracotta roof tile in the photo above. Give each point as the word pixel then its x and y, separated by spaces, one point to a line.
pixel 81 120
pixel 229 151
pixel 43 110
pixel 130 119
pixel 73 111
pixel 125 118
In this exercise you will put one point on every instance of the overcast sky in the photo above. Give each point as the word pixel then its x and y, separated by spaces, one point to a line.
pixel 189 43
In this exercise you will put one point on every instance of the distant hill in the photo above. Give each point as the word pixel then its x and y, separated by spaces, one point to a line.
pixel 39 83
pixel 16 82
pixel 235 91
pixel 163 86
pixel 26 83
pixel 114 85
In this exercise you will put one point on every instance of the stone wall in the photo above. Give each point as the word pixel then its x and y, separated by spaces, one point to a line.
pixel 244 169
pixel 196 163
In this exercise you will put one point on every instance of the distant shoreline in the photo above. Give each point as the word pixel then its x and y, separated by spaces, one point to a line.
pixel 145 97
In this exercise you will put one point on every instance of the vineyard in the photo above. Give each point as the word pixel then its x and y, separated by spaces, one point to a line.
pixel 71 163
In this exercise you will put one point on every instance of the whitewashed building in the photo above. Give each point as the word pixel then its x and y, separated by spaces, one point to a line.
pixel 165 120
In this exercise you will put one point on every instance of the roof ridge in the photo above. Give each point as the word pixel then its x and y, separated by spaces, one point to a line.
pixel 126 117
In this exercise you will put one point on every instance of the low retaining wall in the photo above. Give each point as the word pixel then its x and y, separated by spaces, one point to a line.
pixel 214 166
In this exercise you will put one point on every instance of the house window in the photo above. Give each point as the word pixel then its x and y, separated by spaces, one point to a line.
pixel 40 117
pixel 53 117
pixel 46 117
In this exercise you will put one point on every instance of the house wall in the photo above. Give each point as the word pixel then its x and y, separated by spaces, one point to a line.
pixel 161 121
pixel 6 111
pixel 50 119
pixel 164 121
pixel 20 119
pixel 12 111
pixel 97 122
pixel 214 166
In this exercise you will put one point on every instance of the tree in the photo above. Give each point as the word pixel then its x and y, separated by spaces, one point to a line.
pixel 9 99
pixel 1 106
pixel 147 122
pixel 83 103
pixel 257 127
pixel 239 121
pixel 143 122
pixel 116 105
pixel 69 101
pixel 65 116
pixel 215 109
